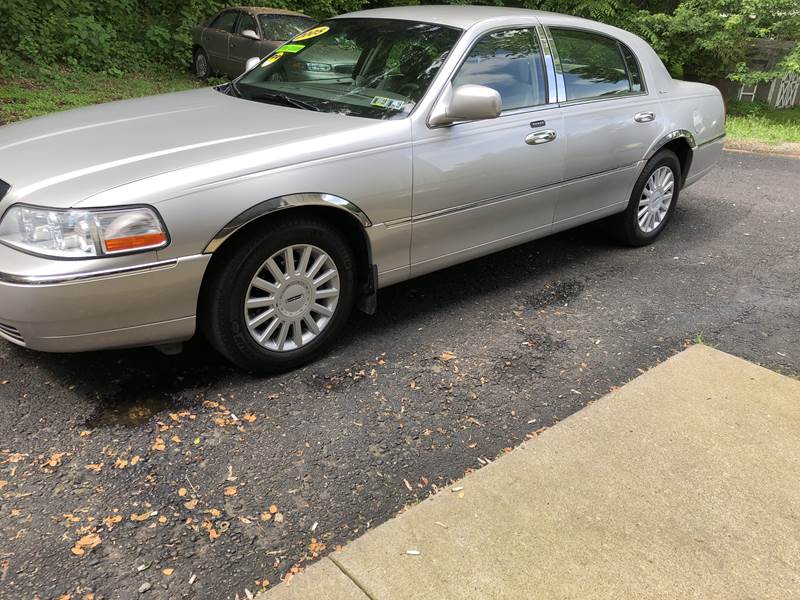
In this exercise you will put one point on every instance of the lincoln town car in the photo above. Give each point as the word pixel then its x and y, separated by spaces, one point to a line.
pixel 369 149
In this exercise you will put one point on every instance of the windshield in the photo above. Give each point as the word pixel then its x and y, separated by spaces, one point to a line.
pixel 283 27
pixel 377 68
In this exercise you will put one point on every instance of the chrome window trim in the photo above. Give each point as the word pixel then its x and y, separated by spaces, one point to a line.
pixel 75 277
pixel 549 64
pixel 280 203
pixel 562 90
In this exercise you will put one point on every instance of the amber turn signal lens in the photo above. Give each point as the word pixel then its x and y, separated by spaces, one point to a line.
pixel 135 242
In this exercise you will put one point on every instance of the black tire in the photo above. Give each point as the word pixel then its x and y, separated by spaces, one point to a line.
pixel 222 317
pixel 626 224
pixel 200 64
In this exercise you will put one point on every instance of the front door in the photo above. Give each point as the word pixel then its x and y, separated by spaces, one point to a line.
pixel 241 48
pixel 610 122
pixel 483 185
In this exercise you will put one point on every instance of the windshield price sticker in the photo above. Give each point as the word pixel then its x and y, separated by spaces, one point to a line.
pixel 312 33
pixel 272 59
pixel 291 48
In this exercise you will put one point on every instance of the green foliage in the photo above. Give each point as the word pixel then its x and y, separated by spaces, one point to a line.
pixel 698 39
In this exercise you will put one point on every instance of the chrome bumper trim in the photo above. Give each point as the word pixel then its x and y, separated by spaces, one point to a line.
pixel 73 277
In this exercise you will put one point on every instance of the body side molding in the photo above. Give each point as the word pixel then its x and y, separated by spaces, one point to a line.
pixel 280 203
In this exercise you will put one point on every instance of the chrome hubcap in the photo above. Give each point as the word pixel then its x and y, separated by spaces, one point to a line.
pixel 200 65
pixel 656 199
pixel 292 298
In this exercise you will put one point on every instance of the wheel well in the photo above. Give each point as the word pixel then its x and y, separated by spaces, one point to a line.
pixel 682 149
pixel 347 225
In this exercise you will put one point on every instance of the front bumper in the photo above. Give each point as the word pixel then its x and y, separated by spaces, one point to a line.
pixel 75 306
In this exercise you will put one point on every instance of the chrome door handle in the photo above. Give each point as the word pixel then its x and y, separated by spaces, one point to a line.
pixel 540 137
pixel 644 117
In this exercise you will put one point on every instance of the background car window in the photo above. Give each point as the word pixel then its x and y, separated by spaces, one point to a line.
pixel 633 69
pixel 225 21
pixel 246 22
pixel 284 27
pixel 509 62
pixel 592 64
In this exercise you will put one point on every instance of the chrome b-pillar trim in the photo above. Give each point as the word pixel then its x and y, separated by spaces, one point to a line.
pixel 550 66
pixel 279 203
pixel 561 95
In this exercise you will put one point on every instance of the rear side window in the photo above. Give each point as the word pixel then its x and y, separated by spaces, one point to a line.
pixel 633 69
pixel 225 21
pixel 593 65
pixel 510 62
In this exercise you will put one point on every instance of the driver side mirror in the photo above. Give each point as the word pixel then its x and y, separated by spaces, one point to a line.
pixel 250 34
pixel 251 63
pixel 466 103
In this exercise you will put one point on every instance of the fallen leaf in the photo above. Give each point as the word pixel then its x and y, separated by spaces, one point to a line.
pixel 265 516
pixel 273 509
pixel 447 355
pixel 54 460
pixel 120 463
pixel 85 433
pixel 190 504
pixel 3 483
pixel 159 445
pixel 230 490
pixel 182 492
pixel 175 439
pixel 168 571
pixel 249 417
pixel 142 517
pixel 95 467
pixel 215 512
pixel 135 460
pixel 89 541
pixel 408 485
pixel 112 520
pixel 279 517
pixel 162 519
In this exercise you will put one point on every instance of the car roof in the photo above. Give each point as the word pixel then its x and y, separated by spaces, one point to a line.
pixel 461 16
pixel 263 10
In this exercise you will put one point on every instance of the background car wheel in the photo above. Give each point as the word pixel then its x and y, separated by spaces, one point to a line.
pixel 653 200
pixel 202 68
pixel 278 298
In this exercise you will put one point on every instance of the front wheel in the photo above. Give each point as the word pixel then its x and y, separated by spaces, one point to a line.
pixel 652 201
pixel 281 296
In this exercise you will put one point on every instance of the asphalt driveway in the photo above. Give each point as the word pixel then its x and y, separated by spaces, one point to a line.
pixel 181 477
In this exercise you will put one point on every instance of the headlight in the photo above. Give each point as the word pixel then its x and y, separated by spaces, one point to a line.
pixel 82 233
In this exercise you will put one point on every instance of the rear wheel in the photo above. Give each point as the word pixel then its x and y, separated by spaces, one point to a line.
pixel 653 200
pixel 280 297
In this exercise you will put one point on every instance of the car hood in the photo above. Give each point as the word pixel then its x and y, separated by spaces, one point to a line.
pixel 68 158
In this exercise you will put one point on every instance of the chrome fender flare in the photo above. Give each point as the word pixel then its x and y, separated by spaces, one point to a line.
pixel 281 203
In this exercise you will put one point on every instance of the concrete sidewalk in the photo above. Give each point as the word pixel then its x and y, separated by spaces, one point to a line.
pixel 685 483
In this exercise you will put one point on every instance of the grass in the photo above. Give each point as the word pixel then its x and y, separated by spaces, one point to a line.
pixel 25 97
pixel 762 124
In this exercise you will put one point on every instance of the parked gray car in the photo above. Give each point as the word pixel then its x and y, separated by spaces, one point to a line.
pixel 225 41
pixel 262 211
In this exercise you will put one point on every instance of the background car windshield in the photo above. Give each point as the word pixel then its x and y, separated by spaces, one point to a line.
pixel 377 68
pixel 283 27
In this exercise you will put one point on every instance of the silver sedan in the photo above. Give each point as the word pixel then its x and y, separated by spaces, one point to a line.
pixel 261 212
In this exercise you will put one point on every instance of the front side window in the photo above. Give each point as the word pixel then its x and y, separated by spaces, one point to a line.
pixel 284 27
pixel 245 23
pixel 592 64
pixel 376 68
pixel 225 21
pixel 509 62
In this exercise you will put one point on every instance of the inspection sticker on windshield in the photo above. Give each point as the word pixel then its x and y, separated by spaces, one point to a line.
pixel 291 48
pixel 272 59
pixel 311 33
pixel 384 102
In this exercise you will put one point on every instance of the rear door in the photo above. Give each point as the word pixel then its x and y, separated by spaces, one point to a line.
pixel 217 39
pixel 610 122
